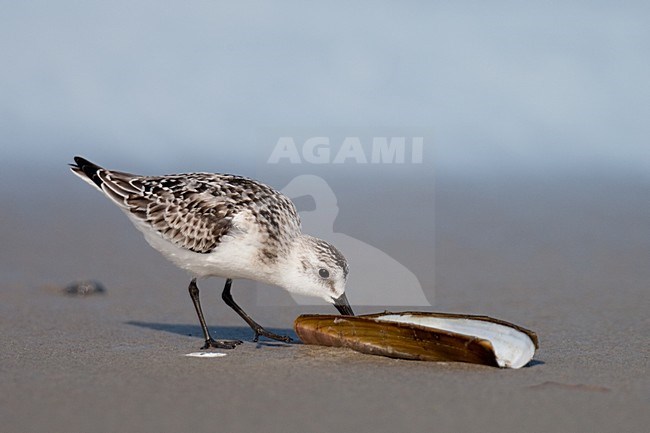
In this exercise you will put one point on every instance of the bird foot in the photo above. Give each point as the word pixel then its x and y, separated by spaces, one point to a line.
pixel 220 344
pixel 261 332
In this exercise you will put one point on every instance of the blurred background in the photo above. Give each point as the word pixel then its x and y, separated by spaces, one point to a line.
pixel 518 103
pixel 168 85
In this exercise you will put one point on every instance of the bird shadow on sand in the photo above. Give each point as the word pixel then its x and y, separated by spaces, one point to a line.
pixel 243 333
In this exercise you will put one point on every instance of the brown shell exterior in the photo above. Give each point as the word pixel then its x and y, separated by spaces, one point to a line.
pixel 399 340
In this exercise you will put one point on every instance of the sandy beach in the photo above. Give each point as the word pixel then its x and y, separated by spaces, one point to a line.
pixel 566 257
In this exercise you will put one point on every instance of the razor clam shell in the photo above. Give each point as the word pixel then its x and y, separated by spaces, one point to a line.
pixel 367 334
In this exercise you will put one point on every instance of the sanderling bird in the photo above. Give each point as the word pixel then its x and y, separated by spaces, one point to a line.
pixel 225 226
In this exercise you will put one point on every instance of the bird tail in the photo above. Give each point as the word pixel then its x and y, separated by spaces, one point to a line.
pixel 87 171
pixel 114 184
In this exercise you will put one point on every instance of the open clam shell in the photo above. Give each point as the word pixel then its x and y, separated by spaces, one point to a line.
pixel 424 336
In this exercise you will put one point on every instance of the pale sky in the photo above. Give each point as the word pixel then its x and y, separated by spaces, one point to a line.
pixel 170 83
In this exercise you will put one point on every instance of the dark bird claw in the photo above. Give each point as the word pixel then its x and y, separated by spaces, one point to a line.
pixel 261 332
pixel 220 344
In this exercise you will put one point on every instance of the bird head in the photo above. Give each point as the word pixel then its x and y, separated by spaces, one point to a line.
pixel 317 268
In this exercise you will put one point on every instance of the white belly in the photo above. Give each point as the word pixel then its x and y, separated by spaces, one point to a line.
pixel 236 256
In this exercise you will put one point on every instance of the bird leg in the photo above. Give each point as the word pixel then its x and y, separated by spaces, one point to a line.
pixel 257 328
pixel 209 342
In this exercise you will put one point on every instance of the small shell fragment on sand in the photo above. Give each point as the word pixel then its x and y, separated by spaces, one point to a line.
pixel 206 354
pixel 424 336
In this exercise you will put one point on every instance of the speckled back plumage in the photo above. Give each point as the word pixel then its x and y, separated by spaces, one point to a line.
pixel 195 211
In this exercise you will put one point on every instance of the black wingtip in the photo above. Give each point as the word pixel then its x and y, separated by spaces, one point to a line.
pixel 87 168
pixel 81 162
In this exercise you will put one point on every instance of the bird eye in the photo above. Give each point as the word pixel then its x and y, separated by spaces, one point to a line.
pixel 324 273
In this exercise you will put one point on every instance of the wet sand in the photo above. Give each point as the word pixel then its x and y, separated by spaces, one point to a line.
pixel 565 256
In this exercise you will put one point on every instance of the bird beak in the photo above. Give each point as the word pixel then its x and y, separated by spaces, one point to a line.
pixel 341 303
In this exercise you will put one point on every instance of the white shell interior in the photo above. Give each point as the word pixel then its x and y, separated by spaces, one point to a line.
pixel 513 348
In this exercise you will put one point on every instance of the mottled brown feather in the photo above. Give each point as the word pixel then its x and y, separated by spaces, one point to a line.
pixel 194 211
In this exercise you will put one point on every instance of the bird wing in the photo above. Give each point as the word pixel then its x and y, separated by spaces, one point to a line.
pixel 191 217
pixel 195 210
